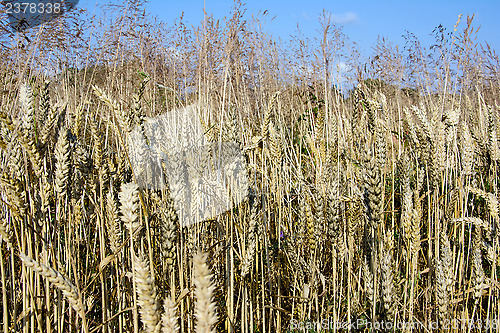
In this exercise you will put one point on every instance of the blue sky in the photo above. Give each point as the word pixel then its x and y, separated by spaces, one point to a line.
pixel 363 21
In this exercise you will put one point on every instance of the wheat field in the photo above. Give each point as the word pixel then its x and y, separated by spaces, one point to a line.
pixel 372 201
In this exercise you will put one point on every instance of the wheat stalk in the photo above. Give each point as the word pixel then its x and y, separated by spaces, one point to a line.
pixel 113 222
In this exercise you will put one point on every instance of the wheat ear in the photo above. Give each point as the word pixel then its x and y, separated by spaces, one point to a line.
pixel 205 307
pixel 247 262
pixel 444 278
pixel 57 279
pixel 170 317
pixel 27 137
pixel 146 295
pixel 62 154
pixel 129 206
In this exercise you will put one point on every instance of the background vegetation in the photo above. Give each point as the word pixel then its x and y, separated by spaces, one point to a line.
pixel 373 189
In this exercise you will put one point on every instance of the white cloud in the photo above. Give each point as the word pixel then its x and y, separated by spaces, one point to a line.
pixel 342 67
pixel 345 18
